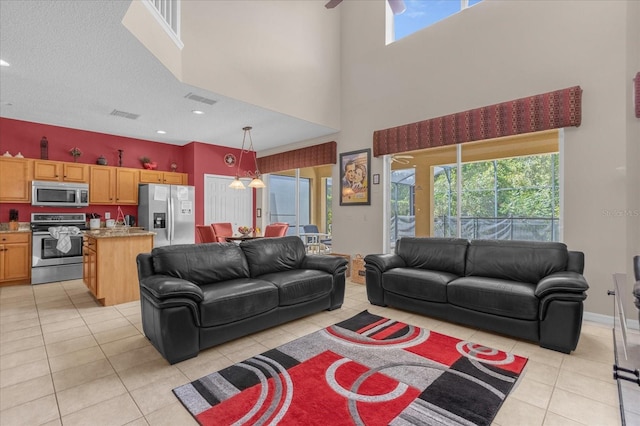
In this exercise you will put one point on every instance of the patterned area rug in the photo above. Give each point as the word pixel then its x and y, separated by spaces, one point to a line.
pixel 367 370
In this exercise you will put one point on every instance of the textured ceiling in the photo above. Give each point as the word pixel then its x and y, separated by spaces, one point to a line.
pixel 73 63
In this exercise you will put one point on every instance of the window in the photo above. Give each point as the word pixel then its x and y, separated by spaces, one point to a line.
pixel 282 205
pixel 423 13
pixel 512 198
pixel 311 206
pixel 510 189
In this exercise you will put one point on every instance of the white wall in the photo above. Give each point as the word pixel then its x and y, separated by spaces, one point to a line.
pixel 493 52
pixel 278 54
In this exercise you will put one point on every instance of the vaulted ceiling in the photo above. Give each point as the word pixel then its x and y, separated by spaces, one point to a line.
pixel 74 64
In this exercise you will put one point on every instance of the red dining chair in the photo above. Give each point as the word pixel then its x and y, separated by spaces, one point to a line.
pixel 206 234
pixel 274 230
pixel 222 231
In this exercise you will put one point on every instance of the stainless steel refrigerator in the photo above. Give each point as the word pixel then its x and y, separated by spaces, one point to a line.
pixel 169 211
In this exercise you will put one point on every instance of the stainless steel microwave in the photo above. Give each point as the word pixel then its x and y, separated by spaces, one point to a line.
pixel 59 194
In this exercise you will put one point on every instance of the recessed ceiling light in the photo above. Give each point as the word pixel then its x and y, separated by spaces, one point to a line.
pixel 197 112
pixel 4 63
pixel 161 132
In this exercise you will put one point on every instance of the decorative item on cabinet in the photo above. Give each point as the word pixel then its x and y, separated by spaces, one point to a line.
pixel 101 161
pixel 7 154
pixel 75 152
pixel 120 151
pixel 148 164
pixel 44 148
pixel 174 166
pixel 13 220
pixel 19 155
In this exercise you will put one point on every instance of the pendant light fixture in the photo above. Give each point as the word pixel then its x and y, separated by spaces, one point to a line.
pixel 256 182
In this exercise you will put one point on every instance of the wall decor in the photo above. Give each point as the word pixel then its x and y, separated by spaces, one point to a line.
pixel 230 160
pixel 355 178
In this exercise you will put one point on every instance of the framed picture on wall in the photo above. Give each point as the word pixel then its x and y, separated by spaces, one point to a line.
pixel 355 177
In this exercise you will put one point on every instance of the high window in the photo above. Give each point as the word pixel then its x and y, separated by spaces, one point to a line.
pixel 420 14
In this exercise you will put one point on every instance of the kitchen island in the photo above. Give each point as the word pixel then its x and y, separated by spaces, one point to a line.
pixel 109 263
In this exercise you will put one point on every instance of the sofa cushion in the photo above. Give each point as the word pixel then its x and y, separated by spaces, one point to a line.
pixel 505 298
pixel 300 285
pixel 418 283
pixel 268 255
pixel 525 261
pixel 201 263
pixel 234 300
pixel 436 254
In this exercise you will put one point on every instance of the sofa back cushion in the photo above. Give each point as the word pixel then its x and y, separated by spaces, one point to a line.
pixel 437 254
pixel 268 255
pixel 524 261
pixel 201 263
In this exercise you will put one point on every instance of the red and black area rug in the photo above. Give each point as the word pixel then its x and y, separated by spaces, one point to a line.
pixel 367 370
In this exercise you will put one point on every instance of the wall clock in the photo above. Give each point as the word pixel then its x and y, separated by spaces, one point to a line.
pixel 230 160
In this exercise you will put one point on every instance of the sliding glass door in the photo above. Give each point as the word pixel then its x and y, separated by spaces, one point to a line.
pixel 300 197
pixel 506 188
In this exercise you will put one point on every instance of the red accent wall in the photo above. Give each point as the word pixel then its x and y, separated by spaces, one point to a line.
pixel 195 158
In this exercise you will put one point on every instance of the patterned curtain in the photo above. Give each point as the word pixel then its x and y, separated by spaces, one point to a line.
pixel 561 108
pixel 316 155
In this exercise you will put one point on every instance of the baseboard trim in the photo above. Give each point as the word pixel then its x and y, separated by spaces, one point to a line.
pixel 608 320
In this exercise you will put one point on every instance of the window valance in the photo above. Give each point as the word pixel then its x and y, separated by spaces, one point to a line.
pixel 561 108
pixel 316 155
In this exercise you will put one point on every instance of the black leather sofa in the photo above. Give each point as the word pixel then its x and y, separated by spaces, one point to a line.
pixel 530 290
pixel 195 296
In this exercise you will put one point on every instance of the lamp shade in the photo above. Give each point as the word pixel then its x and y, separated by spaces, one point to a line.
pixel 256 183
pixel 236 184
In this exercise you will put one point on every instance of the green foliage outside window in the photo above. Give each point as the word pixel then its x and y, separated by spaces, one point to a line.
pixel 511 187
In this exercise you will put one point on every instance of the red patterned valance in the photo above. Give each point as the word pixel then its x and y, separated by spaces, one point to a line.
pixel 316 155
pixel 637 83
pixel 553 110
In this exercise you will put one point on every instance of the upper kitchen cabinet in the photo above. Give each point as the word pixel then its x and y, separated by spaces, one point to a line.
pixel 60 171
pixel 113 185
pixel 15 179
pixel 169 178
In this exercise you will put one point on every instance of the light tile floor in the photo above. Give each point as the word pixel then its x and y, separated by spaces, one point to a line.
pixel 66 360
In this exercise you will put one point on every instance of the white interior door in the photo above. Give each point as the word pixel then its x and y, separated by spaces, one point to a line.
pixel 223 204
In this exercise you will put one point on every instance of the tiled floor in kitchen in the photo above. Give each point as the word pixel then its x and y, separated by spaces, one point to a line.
pixel 66 360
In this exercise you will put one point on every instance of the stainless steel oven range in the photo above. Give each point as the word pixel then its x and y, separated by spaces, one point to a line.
pixel 48 264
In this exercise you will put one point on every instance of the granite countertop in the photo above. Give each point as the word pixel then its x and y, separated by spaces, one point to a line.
pixel 116 233
pixel 22 227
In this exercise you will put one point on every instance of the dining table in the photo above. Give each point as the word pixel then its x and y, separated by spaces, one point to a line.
pixel 243 237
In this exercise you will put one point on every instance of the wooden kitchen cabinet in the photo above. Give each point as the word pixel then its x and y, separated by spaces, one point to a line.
pixel 113 185
pixel 15 179
pixel 60 171
pixel 126 186
pixel 15 258
pixel 169 178
pixel 89 265
pixel 110 271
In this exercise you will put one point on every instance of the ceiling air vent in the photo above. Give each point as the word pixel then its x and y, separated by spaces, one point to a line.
pixel 123 114
pixel 199 98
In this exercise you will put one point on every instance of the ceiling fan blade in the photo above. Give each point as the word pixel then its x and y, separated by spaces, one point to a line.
pixel 397 6
pixel 332 4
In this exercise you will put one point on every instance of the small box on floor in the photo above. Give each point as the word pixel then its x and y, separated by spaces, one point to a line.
pixel 358 269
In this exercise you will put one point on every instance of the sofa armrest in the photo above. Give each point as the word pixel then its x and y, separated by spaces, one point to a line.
pixel 384 262
pixel 561 282
pixel 330 264
pixel 164 287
